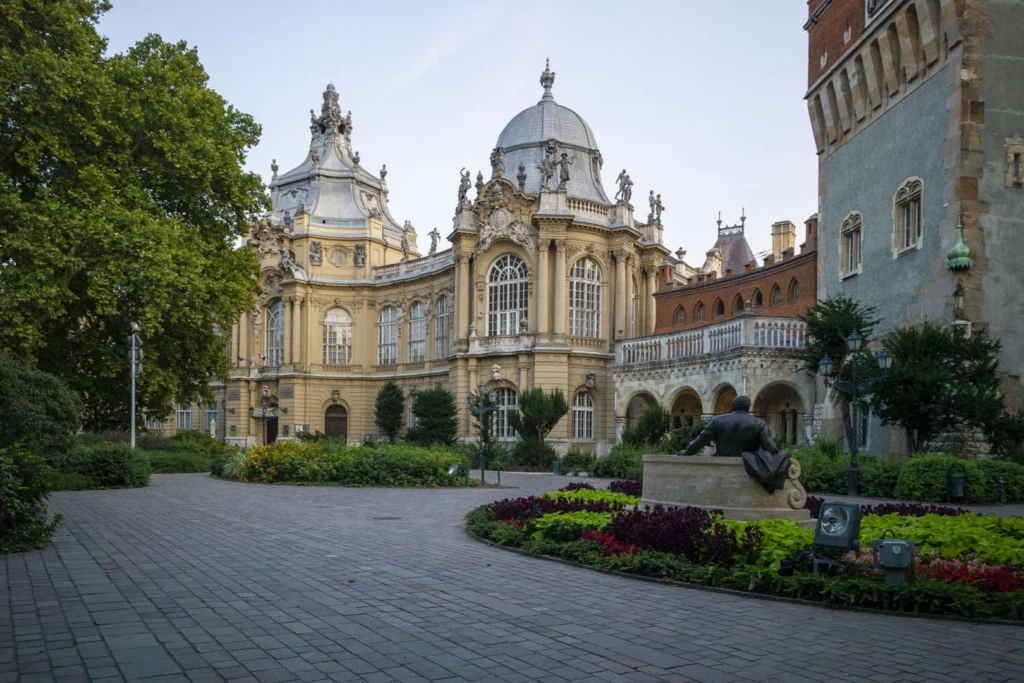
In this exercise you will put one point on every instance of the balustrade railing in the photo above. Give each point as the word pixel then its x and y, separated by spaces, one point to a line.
pixel 747 330
pixel 584 208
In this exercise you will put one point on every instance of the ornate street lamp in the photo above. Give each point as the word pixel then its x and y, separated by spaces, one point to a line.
pixel 826 366
pixel 477 407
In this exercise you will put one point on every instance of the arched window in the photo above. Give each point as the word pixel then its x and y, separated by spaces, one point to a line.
pixel 699 315
pixel 417 332
pixel 337 337
pixel 275 333
pixel 443 328
pixel 776 295
pixel 680 316
pixel 505 400
pixel 794 291
pixel 507 296
pixel 582 416
pixel 757 299
pixel 387 337
pixel 908 226
pixel 585 299
pixel 719 308
pixel 737 304
pixel 850 245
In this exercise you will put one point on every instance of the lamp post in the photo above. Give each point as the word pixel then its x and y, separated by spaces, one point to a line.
pixel 854 343
pixel 477 407
pixel 135 358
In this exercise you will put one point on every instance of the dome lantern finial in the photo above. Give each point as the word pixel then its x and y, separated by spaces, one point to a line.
pixel 959 257
pixel 547 79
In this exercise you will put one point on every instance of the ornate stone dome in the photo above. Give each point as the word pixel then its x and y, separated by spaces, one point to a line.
pixel 525 137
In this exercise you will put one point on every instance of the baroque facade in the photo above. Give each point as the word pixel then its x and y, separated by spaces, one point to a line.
pixel 544 274
pixel 917 112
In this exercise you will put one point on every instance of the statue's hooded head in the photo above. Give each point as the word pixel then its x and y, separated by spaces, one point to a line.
pixel 741 404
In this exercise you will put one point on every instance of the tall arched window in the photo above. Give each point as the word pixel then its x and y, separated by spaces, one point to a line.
pixel 908 226
pixel 505 400
pixel 443 328
pixel 387 337
pixel 582 416
pixel 700 314
pixel 585 299
pixel 758 299
pixel 794 290
pixel 337 337
pixel 737 304
pixel 275 333
pixel 719 308
pixel 850 245
pixel 417 332
pixel 776 295
pixel 507 296
pixel 680 316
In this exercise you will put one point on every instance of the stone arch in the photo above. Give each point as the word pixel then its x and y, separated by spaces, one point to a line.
pixel 636 404
pixel 724 394
pixel 780 404
pixel 687 408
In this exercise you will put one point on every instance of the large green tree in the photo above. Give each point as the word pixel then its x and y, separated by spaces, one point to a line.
pixel 941 379
pixel 829 324
pixel 388 409
pixel 437 417
pixel 122 196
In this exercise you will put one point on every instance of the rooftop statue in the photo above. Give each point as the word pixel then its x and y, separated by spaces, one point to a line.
pixel 563 170
pixel 547 172
pixel 406 229
pixel 625 192
pixel 521 177
pixel 464 184
pixel 740 434
pixel 497 162
pixel 434 237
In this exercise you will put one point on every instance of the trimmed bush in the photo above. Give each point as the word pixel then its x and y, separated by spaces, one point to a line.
pixel 162 462
pixel 25 523
pixel 923 478
pixel 437 418
pixel 624 462
pixel 578 461
pixel 111 465
pixel 38 411
pixel 193 441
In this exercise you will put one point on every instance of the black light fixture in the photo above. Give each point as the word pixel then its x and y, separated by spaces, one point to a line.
pixel 838 530
pixel 854 342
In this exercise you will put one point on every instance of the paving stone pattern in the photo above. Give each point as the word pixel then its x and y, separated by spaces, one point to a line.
pixel 194 579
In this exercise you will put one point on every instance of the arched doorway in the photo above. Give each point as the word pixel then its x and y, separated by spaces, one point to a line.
pixel 636 407
pixel 780 406
pixel 336 422
pixel 723 402
pixel 686 408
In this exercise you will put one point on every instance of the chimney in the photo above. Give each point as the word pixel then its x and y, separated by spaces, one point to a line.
pixel 787 254
pixel 810 234
pixel 783 237
pixel 769 260
pixel 728 272
pixel 750 266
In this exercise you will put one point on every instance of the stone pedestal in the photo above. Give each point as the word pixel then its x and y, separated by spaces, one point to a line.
pixel 723 484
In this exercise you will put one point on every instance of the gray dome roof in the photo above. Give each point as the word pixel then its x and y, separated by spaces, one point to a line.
pixel 525 137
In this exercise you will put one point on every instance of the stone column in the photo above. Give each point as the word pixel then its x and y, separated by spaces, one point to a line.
pixel 244 334
pixel 523 359
pixel 620 295
pixel 652 305
pixel 462 287
pixel 289 325
pixel 543 284
pixel 236 343
pixel 561 301
pixel 296 347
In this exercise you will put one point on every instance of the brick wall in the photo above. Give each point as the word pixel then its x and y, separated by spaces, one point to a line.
pixel 802 269
pixel 832 33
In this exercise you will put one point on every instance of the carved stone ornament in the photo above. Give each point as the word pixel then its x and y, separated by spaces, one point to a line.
pixel 257 317
pixel 338 256
pixel 521 177
pixel 500 226
pixel 360 256
pixel 265 237
pixel 590 380
pixel 289 267
pixel 497 162
pixel 272 284
pixel 316 253
pixel 496 372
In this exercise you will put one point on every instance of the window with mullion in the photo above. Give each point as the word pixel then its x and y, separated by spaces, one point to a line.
pixel 387 353
pixel 417 333
pixel 442 328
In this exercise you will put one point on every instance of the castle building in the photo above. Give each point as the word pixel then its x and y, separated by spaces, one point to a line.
pixel 917 112
pixel 729 327
pixel 543 275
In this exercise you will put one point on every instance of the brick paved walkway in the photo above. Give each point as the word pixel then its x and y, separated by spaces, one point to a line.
pixel 195 579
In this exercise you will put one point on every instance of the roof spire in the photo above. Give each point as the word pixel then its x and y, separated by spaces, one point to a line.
pixel 547 79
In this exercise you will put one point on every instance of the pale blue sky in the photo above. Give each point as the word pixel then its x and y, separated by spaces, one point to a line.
pixel 699 101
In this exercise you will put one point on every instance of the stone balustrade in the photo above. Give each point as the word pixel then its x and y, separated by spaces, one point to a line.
pixel 744 330
pixel 414 268
pixel 583 208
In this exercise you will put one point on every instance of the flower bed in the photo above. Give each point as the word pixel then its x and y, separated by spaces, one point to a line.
pixel 968 565
pixel 329 461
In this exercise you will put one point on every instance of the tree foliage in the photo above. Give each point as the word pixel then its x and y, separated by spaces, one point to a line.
pixel 538 413
pixel 941 379
pixel 436 416
pixel 37 411
pixel 829 323
pixel 650 429
pixel 123 194
pixel 387 412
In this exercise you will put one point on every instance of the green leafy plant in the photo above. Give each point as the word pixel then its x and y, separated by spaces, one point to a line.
pixel 162 462
pixel 37 410
pixel 578 461
pixel 609 497
pixel 437 419
pixel 388 410
pixel 923 478
pixel 651 428
pixel 624 462
pixel 24 521
pixel 111 465
pixel 569 526
pixel 987 538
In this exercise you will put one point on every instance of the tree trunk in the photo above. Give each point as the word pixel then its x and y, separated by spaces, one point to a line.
pixel 844 405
